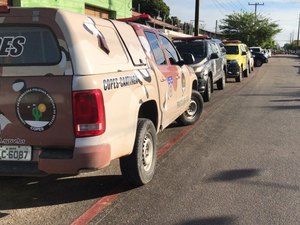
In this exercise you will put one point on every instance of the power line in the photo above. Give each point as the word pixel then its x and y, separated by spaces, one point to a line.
pixel 242 7
pixel 220 7
pixel 229 5
pixel 235 5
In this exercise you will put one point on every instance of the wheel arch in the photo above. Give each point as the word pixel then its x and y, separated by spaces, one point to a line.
pixel 149 110
pixel 195 85
pixel 210 74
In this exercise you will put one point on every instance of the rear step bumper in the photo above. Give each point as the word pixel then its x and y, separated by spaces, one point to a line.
pixel 87 158
pixel 20 169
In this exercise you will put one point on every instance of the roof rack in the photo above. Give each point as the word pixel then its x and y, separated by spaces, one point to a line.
pixel 231 41
pixel 141 18
pixel 191 38
pixel 146 19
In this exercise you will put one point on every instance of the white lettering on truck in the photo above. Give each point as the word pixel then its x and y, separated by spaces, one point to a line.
pixel 12 46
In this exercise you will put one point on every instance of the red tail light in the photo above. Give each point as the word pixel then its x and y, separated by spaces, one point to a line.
pixel 89 113
pixel 4 9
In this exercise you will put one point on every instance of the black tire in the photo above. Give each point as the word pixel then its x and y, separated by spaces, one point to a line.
pixel 258 63
pixel 246 72
pixel 192 114
pixel 207 91
pixel 139 167
pixel 239 78
pixel 221 82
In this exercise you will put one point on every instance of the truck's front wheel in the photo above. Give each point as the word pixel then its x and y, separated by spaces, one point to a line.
pixel 139 167
pixel 192 114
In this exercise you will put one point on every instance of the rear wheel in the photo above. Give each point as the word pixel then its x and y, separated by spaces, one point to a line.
pixel 221 82
pixel 139 167
pixel 239 78
pixel 246 72
pixel 207 92
pixel 258 63
pixel 192 114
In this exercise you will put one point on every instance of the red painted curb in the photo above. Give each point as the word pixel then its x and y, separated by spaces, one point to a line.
pixel 103 202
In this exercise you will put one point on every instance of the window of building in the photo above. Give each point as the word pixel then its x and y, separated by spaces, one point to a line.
pixel 97 12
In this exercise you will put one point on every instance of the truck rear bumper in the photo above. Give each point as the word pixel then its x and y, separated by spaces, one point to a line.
pixel 233 70
pixel 87 158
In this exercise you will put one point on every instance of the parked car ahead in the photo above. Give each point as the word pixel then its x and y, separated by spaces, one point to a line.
pixel 237 62
pixel 210 62
pixel 250 59
pixel 259 58
pixel 260 50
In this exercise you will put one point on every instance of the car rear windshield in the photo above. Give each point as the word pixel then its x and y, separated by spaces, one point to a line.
pixel 232 50
pixel 21 46
pixel 197 48
pixel 255 49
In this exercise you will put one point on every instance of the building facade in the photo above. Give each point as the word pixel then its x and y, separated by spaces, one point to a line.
pixel 113 9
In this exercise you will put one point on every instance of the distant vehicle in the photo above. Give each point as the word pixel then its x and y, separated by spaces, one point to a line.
pixel 260 50
pixel 250 59
pixel 269 51
pixel 256 49
pixel 210 62
pixel 259 59
pixel 237 62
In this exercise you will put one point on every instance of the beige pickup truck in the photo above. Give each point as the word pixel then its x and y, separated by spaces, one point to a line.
pixel 77 92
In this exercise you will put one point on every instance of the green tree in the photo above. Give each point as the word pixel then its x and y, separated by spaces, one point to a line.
pixel 173 20
pixel 152 7
pixel 250 29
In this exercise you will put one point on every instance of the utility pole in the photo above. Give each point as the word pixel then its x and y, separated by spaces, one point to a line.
pixel 216 29
pixel 197 17
pixel 297 47
pixel 256 4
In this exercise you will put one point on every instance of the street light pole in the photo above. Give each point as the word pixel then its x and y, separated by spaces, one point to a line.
pixel 197 17
pixel 297 47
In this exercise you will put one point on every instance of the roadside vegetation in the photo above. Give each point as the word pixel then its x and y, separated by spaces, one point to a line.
pixel 254 30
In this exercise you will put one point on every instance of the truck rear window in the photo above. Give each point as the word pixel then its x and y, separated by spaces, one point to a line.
pixel 232 50
pixel 21 46
pixel 197 48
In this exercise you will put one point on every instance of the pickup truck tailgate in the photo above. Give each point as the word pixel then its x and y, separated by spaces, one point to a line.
pixel 36 111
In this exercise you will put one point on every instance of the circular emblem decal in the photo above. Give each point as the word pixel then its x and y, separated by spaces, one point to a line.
pixel 36 109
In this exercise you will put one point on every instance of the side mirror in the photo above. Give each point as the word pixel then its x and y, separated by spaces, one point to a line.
pixel 214 56
pixel 188 58
pixel 172 61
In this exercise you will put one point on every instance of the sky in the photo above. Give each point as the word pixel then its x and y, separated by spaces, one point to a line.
pixel 283 12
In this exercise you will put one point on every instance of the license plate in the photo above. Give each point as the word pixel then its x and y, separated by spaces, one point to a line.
pixel 15 153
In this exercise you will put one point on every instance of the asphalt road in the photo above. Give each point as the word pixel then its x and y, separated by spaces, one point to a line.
pixel 238 165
